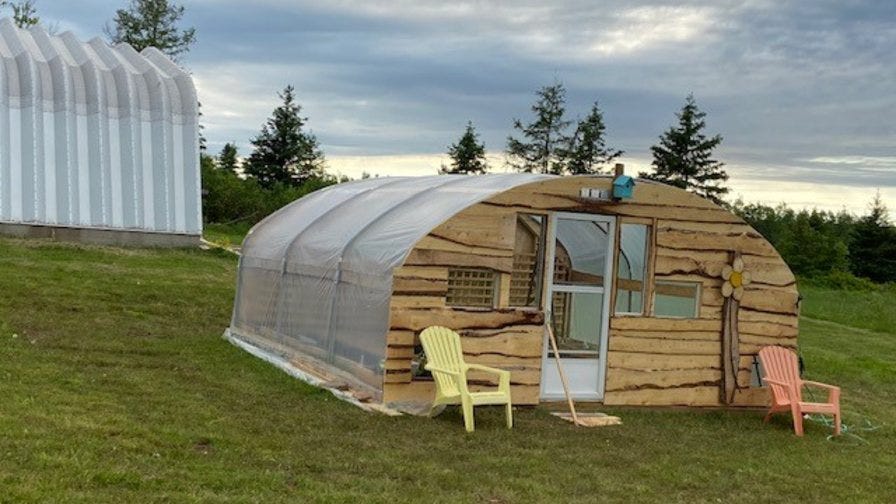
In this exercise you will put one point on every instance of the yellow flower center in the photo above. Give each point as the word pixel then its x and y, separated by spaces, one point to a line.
pixel 737 279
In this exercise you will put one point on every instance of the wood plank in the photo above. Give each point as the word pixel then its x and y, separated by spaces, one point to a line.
pixel 425 286
pixel 400 352
pixel 433 242
pixel 685 396
pixel 784 302
pixel 508 343
pixel 423 392
pixel 665 324
pixel 399 337
pixel 460 318
pixel 397 377
pixel 479 226
pixel 754 397
pixel 426 257
pixel 504 290
pixel 694 240
pixel 663 346
pixel 709 336
pixel 421 272
pixel 400 302
pixel 646 361
pixel 630 379
pixel 769 329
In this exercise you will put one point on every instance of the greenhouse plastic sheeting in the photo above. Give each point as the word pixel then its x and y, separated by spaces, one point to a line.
pixel 93 135
pixel 315 278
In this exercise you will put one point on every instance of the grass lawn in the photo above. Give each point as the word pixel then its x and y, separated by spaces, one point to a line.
pixel 116 386
pixel 228 235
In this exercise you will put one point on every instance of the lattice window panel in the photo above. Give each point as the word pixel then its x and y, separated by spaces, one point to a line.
pixel 471 287
pixel 522 280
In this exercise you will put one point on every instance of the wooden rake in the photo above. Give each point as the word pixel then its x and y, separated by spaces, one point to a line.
pixel 585 419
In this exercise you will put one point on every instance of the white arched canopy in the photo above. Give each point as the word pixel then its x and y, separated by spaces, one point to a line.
pixel 316 276
pixel 93 135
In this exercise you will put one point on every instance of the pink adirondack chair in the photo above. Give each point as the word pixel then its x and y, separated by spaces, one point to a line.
pixel 783 377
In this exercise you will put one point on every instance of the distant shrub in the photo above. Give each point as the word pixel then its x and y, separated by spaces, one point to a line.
pixel 841 280
pixel 228 198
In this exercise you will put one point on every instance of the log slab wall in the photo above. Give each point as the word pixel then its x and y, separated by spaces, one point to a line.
pixel 651 361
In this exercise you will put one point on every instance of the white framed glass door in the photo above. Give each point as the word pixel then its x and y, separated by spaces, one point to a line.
pixel 579 276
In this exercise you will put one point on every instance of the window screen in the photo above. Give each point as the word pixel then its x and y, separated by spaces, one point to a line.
pixel 676 299
pixel 471 287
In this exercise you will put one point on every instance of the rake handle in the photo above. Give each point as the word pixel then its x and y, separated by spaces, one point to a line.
pixel 572 407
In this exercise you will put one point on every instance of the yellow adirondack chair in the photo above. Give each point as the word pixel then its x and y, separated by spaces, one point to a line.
pixel 445 360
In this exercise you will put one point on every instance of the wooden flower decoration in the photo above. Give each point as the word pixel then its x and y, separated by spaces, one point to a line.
pixel 735 279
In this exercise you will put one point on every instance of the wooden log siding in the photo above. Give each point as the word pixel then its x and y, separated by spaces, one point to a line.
pixel 651 361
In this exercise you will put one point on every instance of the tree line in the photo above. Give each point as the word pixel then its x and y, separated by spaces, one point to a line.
pixel 832 247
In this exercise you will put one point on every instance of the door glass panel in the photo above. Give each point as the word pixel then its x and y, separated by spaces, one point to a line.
pixel 577 322
pixel 581 252
pixel 632 267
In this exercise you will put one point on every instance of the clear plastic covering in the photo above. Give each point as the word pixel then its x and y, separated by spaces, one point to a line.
pixel 315 277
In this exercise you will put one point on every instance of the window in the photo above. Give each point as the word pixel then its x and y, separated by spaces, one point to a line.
pixel 676 299
pixel 476 287
pixel 528 257
pixel 632 268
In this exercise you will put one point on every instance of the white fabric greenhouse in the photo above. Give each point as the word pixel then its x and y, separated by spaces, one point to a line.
pixel 315 278
pixel 95 136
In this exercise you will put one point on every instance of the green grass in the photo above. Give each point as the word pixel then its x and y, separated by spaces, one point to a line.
pixel 116 386
pixel 228 235
pixel 874 310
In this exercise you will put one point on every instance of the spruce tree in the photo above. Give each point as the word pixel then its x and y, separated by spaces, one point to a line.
pixel 588 151
pixel 152 23
pixel 284 153
pixel 24 15
pixel 543 145
pixel 683 157
pixel 467 155
pixel 872 252
pixel 227 159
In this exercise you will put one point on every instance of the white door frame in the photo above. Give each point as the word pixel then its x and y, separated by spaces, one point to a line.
pixel 575 367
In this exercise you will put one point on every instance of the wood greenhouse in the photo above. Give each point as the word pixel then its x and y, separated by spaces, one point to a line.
pixel 658 298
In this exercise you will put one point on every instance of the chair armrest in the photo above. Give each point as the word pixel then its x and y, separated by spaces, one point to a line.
pixel 460 377
pixel 833 390
pixel 503 375
pixel 436 369
pixel 792 391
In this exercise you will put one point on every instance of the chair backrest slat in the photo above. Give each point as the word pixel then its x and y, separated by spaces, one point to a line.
pixel 442 348
pixel 781 364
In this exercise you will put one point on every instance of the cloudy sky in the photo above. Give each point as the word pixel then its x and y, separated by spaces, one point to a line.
pixel 804 92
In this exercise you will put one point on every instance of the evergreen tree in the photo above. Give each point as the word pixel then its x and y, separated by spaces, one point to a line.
pixel 873 248
pixel 542 147
pixel 227 159
pixel 152 23
pixel 24 15
pixel 467 155
pixel 283 152
pixel 683 157
pixel 588 151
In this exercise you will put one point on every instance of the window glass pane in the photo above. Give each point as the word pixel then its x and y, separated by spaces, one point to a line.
pixel 676 299
pixel 581 252
pixel 471 287
pixel 632 268
pixel 528 253
pixel 577 319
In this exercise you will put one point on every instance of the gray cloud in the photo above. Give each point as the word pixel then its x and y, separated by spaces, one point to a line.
pixel 786 83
